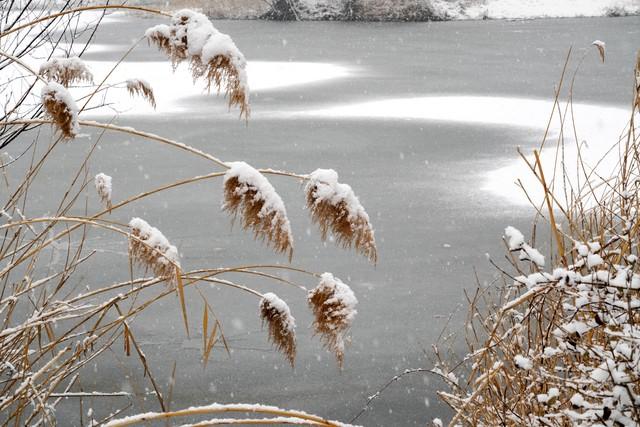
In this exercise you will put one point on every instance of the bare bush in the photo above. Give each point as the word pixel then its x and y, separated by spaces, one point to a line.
pixel 560 345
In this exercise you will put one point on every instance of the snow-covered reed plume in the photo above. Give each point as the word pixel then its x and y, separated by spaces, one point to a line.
pixel 62 108
pixel 66 71
pixel 142 88
pixel 601 46
pixel 212 55
pixel 333 304
pixel 149 247
pixel 336 209
pixel 104 188
pixel 282 325
pixel 249 194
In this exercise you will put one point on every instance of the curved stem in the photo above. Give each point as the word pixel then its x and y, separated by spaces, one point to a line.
pixel 97 89
pixel 23 65
pixel 217 409
pixel 84 9
pixel 154 137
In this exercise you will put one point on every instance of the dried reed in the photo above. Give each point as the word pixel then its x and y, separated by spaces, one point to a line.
pixel 149 247
pixel 277 315
pixel 333 305
pixel 52 328
pixel 61 107
pixel 562 347
pixel 249 194
pixel 142 88
pixel 212 55
pixel 66 71
pixel 336 209
pixel 104 188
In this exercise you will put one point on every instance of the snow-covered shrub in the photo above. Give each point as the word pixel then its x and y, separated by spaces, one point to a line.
pixel 562 344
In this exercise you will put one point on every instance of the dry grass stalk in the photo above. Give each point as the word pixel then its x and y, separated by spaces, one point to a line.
pixel 142 88
pixel 66 71
pixel 149 247
pixel 212 55
pixel 336 209
pixel 277 315
pixel 637 72
pixel 249 194
pixel 62 108
pixel 333 304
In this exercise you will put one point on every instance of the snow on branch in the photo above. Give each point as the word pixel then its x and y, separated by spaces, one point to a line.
pixel 515 242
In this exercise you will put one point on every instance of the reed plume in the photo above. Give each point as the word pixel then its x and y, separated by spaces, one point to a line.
pixel 276 314
pixel 333 305
pixel 104 187
pixel 66 71
pixel 601 46
pixel 151 249
pixel 334 207
pixel 62 108
pixel 249 194
pixel 212 55
pixel 142 88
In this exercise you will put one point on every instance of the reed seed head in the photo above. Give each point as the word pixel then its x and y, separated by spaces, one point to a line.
pixel 336 209
pixel 601 46
pixel 142 88
pixel 249 194
pixel 151 249
pixel 212 55
pixel 333 305
pixel 104 187
pixel 276 314
pixel 62 108
pixel 66 71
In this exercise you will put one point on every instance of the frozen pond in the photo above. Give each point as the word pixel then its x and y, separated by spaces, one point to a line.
pixel 401 111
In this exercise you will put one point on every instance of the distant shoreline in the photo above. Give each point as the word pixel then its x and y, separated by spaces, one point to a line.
pixel 401 10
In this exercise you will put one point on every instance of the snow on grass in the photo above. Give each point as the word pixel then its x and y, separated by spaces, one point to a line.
pixel 515 239
pixel 523 362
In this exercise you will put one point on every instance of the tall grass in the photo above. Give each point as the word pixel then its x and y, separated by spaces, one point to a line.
pixel 560 345
pixel 52 328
